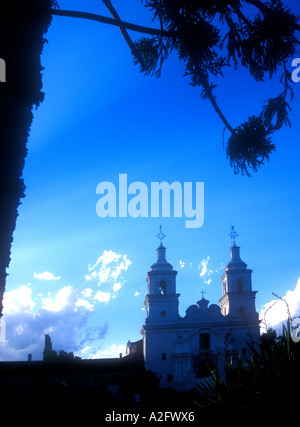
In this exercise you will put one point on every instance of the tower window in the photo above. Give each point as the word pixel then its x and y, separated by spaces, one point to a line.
pixel 163 356
pixel 162 287
pixel 205 341
pixel 240 285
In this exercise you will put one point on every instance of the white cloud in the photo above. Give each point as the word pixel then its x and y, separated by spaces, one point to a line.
pixel 60 300
pixel 84 303
pixel 45 276
pixel 87 292
pixel 110 263
pixel 112 351
pixel 31 311
pixel 117 286
pixel 183 264
pixel 102 296
pixel 205 271
pixel 109 351
pixel 28 318
pixel 103 274
pixel 203 266
pixel 274 312
pixel 124 264
pixel 85 349
pixel 18 300
pixel 106 258
pixel 136 294
pixel 108 272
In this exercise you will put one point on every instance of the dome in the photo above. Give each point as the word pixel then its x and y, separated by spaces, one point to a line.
pixel 161 263
pixel 214 309
pixel 203 304
pixel 235 262
pixel 202 311
pixel 191 309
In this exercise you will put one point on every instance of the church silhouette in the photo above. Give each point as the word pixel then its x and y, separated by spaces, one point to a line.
pixel 180 350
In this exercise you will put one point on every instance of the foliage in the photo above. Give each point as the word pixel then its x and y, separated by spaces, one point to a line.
pixel 249 146
pixel 258 35
pixel 267 378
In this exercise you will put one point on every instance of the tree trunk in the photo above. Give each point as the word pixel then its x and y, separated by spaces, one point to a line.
pixel 22 28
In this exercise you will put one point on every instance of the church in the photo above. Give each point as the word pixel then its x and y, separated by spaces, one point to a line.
pixel 180 350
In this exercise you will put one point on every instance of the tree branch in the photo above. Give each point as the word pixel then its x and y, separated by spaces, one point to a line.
pixel 259 5
pixel 240 14
pixel 111 21
pixel 123 30
pixel 211 97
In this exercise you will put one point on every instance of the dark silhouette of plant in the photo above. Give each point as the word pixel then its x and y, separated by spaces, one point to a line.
pixel 209 35
pixel 262 42
pixel 249 145
pixel 259 35
pixel 267 379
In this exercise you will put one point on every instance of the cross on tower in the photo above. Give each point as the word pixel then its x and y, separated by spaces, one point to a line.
pixel 233 234
pixel 203 292
pixel 160 235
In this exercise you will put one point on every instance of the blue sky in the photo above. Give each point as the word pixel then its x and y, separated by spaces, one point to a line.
pixel 101 118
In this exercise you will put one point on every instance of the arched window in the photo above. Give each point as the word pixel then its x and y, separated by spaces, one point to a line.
pixel 240 285
pixel 162 287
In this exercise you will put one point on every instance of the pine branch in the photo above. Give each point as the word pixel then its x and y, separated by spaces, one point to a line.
pixel 212 98
pixel 112 21
pixel 123 30
pixel 264 9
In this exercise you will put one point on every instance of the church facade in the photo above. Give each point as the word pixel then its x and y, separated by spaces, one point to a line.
pixel 181 349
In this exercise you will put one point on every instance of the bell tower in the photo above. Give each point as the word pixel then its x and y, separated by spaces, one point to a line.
pixel 238 298
pixel 161 300
pixel 160 328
